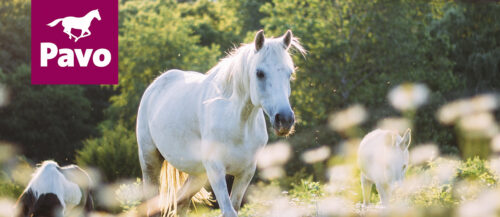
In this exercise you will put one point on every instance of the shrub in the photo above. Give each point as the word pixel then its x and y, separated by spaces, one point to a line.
pixel 475 169
pixel 8 188
pixel 114 154
pixel 307 190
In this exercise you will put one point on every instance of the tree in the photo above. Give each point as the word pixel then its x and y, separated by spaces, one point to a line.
pixel 15 34
pixel 44 121
pixel 114 154
pixel 154 37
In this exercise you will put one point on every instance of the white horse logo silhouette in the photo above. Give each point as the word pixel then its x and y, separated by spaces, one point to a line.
pixel 82 23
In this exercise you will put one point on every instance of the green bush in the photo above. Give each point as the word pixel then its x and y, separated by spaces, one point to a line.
pixel 474 172
pixel 307 190
pixel 114 154
pixel 475 169
pixel 9 188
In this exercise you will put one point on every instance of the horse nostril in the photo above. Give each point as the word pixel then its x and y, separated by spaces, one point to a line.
pixel 277 118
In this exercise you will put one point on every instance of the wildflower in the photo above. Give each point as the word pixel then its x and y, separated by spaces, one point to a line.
pixel 408 96
pixel 396 124
pixel 316 155
pixel 423 153
pixel 348 118
pixel 273 155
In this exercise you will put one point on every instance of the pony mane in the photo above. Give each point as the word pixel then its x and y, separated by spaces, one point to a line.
pixel 231 73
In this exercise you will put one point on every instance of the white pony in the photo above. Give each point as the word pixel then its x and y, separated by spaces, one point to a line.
pixel 211 125
pixel 53 190
pixel 383 158
pixel 81 23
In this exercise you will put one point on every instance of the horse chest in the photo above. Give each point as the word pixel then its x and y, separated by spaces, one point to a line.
pixel 240 154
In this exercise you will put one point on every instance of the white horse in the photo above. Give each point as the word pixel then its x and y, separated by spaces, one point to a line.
pixel 383 158
pixel 53 190
pixel 211 125
pixel 81 23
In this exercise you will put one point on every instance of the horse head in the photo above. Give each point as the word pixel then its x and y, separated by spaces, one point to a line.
pixel 95 13
pixel 270 77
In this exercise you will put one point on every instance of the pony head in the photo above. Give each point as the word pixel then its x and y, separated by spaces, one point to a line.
pixel 270 76
pixel 95 13
pixel 401 158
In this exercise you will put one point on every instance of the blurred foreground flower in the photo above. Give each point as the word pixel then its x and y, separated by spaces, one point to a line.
pixel 105 196
pixel 340 178
pixel 495 143
pixel 483 124
pixel 275 154
pixel 271 158
pixel 445 169
pixel 348 118
pixel 335 206
pixel 495 165
pixel 316 155
pixel 129 194
pixel 486 205
pixel 451 112
pixel 271 173
pixel 7 207
pixel 408 96
pixel 423 153
pixel 396 124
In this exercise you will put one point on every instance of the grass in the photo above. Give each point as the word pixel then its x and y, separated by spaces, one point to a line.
pixel 442 187
pixel 438 188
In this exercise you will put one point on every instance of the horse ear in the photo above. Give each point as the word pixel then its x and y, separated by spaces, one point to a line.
pixel 287 39
pixel 259 40
pixel 405 142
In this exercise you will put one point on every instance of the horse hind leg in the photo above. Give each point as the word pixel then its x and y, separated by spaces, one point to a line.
pixel 150 160
pixel 191 187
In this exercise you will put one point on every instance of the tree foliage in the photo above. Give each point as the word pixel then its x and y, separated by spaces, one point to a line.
pixel 44 121
pixel 114 154
pixel 358 51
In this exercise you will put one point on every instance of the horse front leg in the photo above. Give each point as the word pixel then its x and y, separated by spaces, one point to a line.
pixel 68 31
pixel 82 35
pixel 216 174
pixel 240 186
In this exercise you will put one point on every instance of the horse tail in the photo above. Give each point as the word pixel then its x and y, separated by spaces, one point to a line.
pixel 171 180
pixel 55 22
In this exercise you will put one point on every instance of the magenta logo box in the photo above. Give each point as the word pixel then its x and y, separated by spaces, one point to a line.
pixel 74 41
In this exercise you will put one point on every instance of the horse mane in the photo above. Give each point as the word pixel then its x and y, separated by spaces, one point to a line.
pixel 231 73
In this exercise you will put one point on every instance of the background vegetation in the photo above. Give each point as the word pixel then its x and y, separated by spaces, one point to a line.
pixel 358 51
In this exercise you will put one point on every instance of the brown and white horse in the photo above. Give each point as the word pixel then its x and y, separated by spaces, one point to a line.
pixel 54 190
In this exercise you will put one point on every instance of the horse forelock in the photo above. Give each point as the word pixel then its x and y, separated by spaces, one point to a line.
pixel 231 73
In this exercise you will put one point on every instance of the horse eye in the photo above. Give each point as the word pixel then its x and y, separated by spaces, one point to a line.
pixel 260 74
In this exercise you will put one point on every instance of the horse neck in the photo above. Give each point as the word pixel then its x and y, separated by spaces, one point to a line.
pixel 229 75
pixel 90 16
pixel 244 108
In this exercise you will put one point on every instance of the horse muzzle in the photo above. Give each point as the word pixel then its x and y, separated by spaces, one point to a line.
pixel 283 123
